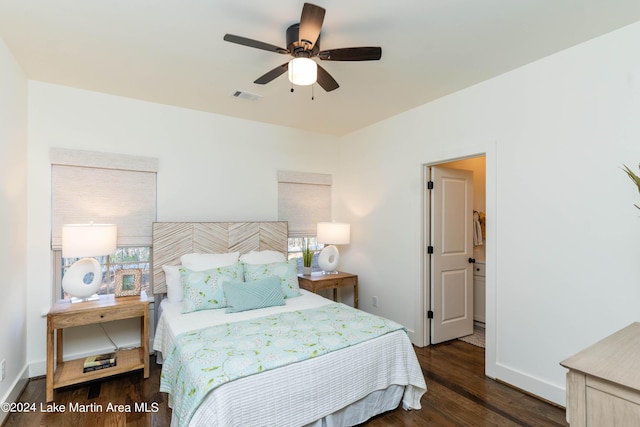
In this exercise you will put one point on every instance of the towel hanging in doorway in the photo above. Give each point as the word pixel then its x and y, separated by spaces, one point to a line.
pixel 478 229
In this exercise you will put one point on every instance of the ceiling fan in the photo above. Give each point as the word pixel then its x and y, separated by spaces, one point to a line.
pixel 303 43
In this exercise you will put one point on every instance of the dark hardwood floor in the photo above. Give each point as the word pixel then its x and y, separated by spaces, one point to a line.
pixel 458 395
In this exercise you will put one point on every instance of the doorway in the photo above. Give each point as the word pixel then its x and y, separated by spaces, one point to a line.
pixel 455 223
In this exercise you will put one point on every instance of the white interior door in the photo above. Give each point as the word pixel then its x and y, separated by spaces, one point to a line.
pixel 451 242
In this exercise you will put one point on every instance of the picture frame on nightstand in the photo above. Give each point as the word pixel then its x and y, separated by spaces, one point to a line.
pixel 128 282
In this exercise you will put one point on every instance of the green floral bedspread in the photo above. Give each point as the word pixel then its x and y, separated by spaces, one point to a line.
pixel 204 359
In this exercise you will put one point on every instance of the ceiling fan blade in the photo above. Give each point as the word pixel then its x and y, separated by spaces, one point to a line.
pixel 254 43
pixel 325 80
pixel 310 24
pixel 271 75
pixel 351 54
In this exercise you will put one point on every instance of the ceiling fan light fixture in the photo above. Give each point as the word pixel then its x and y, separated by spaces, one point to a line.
pixel 303 71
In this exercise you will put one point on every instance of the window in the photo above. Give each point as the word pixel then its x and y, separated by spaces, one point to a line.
pixel 304 199
pixel 109 188
pixel 124 258
pixel 295 251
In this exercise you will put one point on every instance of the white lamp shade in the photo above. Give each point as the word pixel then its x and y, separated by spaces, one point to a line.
pixel 88 240
pixel 333 233
pixel 303 71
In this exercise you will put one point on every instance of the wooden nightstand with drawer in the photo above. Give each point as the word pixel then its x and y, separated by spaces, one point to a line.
pixel 64 314
pixel 318 281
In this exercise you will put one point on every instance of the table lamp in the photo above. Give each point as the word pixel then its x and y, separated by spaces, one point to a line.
pixel 331 233
pixel 84 277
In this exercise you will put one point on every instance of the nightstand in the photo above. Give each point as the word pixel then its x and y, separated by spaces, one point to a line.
pixel 64 314
pixel 318 281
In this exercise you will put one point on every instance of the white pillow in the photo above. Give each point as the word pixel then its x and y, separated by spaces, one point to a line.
pixel 262 257
pixel 174 285
pixel 202 262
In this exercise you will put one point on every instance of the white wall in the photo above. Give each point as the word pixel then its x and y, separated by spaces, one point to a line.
pixel 212 168
pixel 13 224
pixel 564 268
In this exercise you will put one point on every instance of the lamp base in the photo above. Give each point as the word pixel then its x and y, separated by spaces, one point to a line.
pixel 328 259
pixel 85 299
pixel 83 278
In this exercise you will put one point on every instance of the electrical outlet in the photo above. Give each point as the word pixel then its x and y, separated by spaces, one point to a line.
pixel 2 371
pixel 375 301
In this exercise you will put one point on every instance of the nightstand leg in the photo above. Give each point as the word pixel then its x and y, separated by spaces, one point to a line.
pixel 355 294
pixel 144 340
pixel 50 345
pixel 59 347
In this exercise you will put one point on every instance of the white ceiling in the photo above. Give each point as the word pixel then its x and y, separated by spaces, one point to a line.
pixel 172 52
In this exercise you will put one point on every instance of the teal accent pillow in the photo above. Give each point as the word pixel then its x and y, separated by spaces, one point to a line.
pixel 263 293
pixel 287 272
pixel 202 290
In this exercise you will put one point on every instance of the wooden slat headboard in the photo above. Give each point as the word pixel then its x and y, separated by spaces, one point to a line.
pixel 171 240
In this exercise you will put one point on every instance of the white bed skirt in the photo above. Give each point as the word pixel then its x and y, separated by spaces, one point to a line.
pixel 375 403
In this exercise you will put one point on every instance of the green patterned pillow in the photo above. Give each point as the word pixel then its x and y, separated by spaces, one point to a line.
pixel 202 290
pixel 243 296
pixel 287 272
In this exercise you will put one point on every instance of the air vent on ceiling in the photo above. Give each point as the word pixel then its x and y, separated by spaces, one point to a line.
pixel 246 95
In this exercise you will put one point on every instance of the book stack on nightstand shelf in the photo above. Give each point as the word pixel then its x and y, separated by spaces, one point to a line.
pixel 100 361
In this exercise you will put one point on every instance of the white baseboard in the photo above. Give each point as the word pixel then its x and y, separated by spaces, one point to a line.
pixel 14 392
pixel 536 386
pixel 411 333
pixel 38 369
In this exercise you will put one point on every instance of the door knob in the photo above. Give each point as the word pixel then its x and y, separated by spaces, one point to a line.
pixel 472 260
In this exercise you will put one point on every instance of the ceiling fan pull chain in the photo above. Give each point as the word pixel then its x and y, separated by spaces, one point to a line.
pixel 312 97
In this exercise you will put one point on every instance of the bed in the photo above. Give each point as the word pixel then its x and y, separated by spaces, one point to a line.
pixel 342 385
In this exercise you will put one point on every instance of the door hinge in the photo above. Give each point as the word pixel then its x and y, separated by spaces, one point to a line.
pixel 429 314
pixel 429 185
pixel 429 249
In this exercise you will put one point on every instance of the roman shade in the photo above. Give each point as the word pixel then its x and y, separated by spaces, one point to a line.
pixel 89 186
pixel 304 199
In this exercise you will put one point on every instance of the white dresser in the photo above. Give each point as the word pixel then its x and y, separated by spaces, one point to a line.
pixel 603 382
